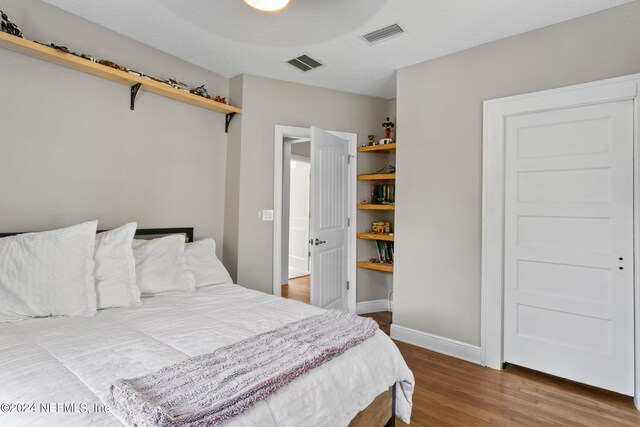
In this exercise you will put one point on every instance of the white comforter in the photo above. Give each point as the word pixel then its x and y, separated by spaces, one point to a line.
pixel 73 360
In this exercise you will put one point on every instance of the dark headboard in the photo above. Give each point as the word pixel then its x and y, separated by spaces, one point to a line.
pixel 145 232
pixel 152 233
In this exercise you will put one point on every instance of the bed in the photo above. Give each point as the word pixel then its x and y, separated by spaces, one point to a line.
pixel 68 363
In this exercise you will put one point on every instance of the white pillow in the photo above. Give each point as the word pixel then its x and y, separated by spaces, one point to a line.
pixel 206 267
pixel 48 273
pixel 115 269
pixel 161 266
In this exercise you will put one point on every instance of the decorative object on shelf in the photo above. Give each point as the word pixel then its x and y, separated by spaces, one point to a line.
pixel 220 99
pixel 387 169
pixel 9 27
pixel 371 139
pixel 84 56
pixel 387 126
pixel 380 227
pixel 55 46
pixel 201 91
pixel 111 64
pixel 375 261
pixel 178 85
pixel 365 201
pixel 385 141
pixel 136 73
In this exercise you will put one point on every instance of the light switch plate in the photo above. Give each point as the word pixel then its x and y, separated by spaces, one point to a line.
pixel 267 215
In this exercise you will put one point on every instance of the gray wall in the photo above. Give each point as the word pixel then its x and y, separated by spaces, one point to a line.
pixel 71 150
pixel 232 183
pixel 437 277
pixel 267 103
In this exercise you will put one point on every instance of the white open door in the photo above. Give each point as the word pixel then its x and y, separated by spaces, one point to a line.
pixel 329 235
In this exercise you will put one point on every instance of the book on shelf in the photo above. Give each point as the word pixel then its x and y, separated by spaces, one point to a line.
pixel 383 194
pixel 385 251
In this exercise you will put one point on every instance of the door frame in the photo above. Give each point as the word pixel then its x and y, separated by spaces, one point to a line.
pixel 492 284
pixel 352 138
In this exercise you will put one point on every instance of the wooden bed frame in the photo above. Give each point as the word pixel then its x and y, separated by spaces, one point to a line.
pixel 377 413
pixel 381 412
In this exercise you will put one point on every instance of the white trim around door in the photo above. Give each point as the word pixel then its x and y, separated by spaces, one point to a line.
pixel 493 200
pixel 297 132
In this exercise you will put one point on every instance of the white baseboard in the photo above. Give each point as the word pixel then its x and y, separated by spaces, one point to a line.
pixel 372 306
pixel 464 351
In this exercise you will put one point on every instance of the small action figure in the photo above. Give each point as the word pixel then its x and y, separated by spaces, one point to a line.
pixel 201 91
pixel 387 126
pixel 9 27
pixel 112 65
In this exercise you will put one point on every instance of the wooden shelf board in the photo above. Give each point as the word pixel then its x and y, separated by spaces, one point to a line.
pixel 375 266
pixel 377 207
pixel 387 148
pixel 377 177
pixel 376 236
pixel 46 53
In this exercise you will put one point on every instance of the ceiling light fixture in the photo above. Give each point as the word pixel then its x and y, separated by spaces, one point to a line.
pixel 267 5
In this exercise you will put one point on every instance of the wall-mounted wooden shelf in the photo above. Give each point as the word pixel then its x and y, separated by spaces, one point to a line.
pixel 68 60
pixel 387 148
pixel 377 207
pixel 376 236
pixel 388 268
pixel 377 177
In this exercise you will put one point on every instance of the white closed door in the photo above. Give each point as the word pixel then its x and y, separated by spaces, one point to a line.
pixel 300 180
pixel 568 260
pixel 329 213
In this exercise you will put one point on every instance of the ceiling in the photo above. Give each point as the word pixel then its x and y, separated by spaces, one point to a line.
pixel 230 38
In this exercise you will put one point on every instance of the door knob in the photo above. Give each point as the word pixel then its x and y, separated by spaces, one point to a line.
pixel 319 242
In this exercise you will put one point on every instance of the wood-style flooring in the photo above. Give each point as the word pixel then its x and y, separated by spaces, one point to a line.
pixel 298 289
pixel 452 392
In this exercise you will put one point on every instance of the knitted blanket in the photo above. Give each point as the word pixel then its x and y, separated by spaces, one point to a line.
pixel 206 390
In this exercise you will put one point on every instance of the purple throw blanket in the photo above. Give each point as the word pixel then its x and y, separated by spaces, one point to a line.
pixel 206 390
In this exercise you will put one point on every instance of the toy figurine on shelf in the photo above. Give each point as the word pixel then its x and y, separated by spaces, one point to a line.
pixel 111 64
pixel 201 91
pixel 388 126
pixel 178 85
pixel 9 27
pixel 55 46
pixel 380 227
pixel 220 99
pixel 371 139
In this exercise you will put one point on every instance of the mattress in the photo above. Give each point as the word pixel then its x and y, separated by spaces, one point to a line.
pixel 57 371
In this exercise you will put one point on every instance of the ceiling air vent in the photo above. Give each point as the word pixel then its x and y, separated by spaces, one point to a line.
pixel 383 34
pixel 304 62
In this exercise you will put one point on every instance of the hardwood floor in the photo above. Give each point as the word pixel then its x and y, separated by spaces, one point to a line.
pixel 452 392
pixel 298 289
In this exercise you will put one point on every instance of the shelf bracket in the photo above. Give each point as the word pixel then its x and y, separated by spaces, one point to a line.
pixel 134 91
pixel 227 120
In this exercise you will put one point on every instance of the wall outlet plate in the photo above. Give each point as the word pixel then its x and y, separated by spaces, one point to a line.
pixel 267 215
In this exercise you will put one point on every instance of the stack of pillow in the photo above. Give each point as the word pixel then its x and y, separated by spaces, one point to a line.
pixel 74 272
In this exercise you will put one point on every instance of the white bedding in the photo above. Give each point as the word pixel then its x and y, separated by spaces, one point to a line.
pixel 73 360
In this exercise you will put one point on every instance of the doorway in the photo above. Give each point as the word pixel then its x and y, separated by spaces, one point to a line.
pixel 314 241
pixel 296 219
pixel 559 253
